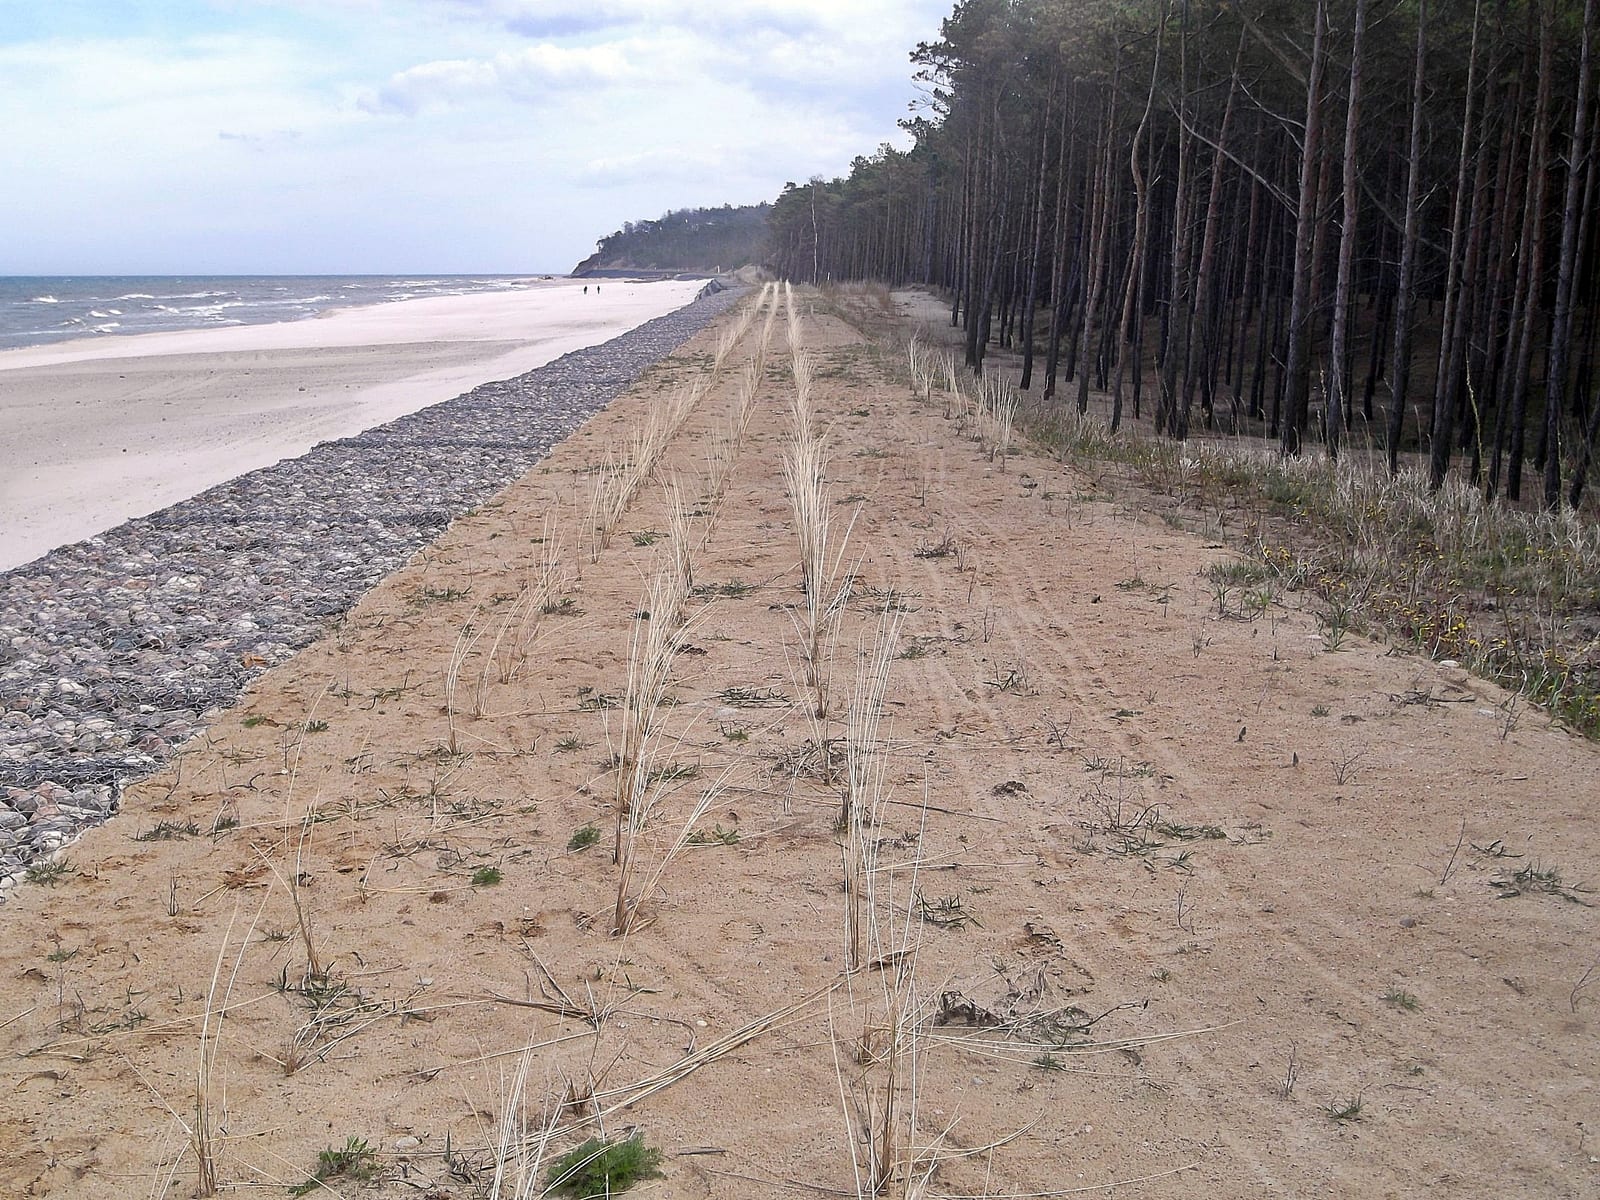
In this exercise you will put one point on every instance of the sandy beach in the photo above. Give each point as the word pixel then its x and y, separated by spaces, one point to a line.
pixel 1156 897
pixel 102 430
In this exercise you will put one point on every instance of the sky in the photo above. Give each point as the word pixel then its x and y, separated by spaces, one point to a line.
pixel 395 136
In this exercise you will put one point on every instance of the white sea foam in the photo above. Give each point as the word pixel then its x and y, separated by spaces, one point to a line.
pixel 136 296
pixel 45 300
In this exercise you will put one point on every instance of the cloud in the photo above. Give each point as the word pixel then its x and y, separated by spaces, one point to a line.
pixel 528 75
pixel 420 134
pixel 654 166
pixel 259 141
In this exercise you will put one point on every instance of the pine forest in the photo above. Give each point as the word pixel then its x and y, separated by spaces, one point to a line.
pixel 1362 223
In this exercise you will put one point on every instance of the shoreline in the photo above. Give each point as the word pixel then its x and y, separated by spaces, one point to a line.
pixel 122 643
pixel 103 430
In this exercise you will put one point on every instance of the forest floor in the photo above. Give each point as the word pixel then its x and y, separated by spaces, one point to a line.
pixel 1172 894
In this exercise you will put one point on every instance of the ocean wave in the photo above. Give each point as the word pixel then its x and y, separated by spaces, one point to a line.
pixel 92 307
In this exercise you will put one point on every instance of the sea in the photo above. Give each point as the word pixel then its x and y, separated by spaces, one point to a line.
pixel 41 310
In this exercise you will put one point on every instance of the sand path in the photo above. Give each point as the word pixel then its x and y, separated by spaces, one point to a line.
pixel 1191 881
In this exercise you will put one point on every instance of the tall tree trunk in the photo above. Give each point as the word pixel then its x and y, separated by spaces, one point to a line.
pixel 1405 289
pixel 1449 324
pixel 1337 391
pixel 1096 264
pixel 1566 272
pixel 1141 232
pixel 1296 393
pixel 1533 250
pixel 1200 340
pixel 1036 250
pixel 1059 308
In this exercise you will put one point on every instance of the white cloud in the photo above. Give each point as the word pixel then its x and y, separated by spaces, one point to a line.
pixel 310 135
pixel 528 75
pixel 654 166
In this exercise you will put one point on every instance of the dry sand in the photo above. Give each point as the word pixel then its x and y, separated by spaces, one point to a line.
pixel 98 431
pixel 1219 883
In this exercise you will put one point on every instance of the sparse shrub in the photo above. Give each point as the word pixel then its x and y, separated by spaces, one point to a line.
pixel 354 1160
pixel 583 837
pixel 602 1168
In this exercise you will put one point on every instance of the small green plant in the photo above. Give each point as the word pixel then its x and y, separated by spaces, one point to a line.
pixel 602 1168
pixel 316 727
pixel 1335 624
pixel 583 837
pixel 568 744
pixel 750 697
pixel 734 589
pixel 675 771
pixel 735 733
pixel 1537 878
pixel 424 596
pixel 252 722
pixel 947 912
pixel 168 831
pixel 714 837
pixel 354 1160
pixel 486 876
pixel 1049 1062
pixel 1399 998
pixel 1321 710
pixel 1013 680
pixel 50 872
pixel 646 537
pixel 1345 1111
pixel 1238 572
